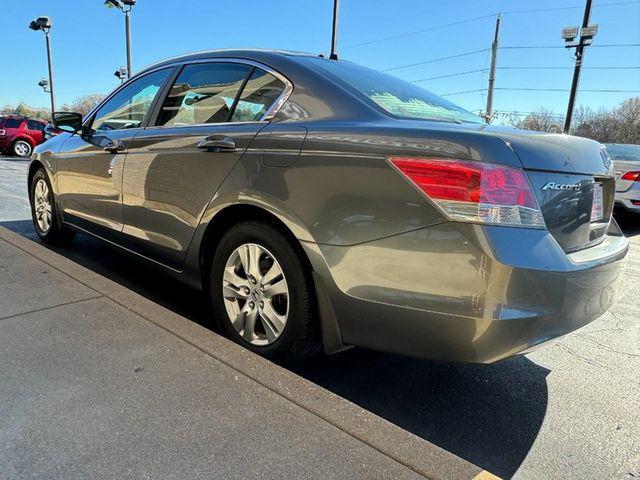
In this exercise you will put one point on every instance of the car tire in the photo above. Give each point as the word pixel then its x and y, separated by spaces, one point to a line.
pixel 22 148
pixel 280 320
pixel 47 223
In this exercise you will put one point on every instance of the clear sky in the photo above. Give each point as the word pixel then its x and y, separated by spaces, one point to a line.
pixel 88 43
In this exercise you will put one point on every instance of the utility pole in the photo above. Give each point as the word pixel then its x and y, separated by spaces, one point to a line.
pixel 334 32
pixel 586 35
pixel 492 72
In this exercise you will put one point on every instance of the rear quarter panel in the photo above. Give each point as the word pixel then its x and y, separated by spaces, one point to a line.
pixel 342 189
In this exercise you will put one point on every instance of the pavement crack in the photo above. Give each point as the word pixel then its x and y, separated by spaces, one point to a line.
pixel 607 347
pixel 42 309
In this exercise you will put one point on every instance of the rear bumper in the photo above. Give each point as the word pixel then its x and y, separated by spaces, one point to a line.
pixel 625 199
pixel 467 293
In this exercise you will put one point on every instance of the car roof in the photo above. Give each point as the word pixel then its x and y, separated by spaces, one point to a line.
pixel 22 117
pixel 248 53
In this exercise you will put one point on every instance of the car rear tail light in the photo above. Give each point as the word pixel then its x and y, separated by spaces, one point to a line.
pixel 636 202
pixel 632 176
pixel 2 132
pixel 473 191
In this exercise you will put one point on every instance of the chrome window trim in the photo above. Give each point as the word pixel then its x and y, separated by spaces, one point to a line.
pixel 93 111
pixel 271 112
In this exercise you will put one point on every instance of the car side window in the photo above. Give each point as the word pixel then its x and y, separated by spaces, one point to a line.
pixel 13 123
pixel 128 107
pixel 203 93
pixel 260 92
pixel 31 125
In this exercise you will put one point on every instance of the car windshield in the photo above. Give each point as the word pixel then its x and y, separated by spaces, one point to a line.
pixel 626 153
pixel 395 96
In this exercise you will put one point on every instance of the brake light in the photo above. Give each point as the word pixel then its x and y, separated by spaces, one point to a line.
pixel 2 132
pixel 474 191
pixel 632 176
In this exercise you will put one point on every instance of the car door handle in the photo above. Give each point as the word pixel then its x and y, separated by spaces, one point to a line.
pixel 116 146
pixel 217 143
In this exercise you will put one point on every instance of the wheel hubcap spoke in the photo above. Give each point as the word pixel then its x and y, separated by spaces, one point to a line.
pixel 272 321
pixel 42 206
pixel 256 294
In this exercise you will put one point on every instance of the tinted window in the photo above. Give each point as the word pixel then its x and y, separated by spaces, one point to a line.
pixel 128 107
pixel 260 92
pixel 13 123
pixel 203 93
pixel 397 97
pixel 627 153
pixel 32 125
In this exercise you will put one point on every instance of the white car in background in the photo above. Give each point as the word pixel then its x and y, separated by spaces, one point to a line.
pixel 626 160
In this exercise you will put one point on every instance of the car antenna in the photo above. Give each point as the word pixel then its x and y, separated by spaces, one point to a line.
pixel 334 32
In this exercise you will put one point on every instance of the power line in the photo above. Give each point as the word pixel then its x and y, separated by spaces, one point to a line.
pixel 416 32
pixel 482 17
pixel 450 75
pixel 460 93
pixel 573 7
pixel 464 54
pixel 523 114
pixel 606 45
pixel 542 90
pixel 524 89
pixel 568 68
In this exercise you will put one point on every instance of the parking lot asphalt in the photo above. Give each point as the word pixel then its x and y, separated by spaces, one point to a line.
pixel 571 409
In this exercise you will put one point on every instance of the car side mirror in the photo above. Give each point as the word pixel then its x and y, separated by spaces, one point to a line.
pixel 67 121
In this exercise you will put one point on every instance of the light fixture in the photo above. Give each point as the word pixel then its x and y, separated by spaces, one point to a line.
pixel 41 23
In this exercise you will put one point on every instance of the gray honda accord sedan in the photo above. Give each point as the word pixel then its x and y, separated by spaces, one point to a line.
pixel 322 205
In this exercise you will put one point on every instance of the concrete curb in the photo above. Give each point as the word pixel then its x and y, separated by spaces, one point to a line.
pixel 407 449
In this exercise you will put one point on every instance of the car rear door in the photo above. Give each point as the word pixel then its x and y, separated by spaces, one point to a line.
pixel 90 165
pixel 35 130
pixel 208 119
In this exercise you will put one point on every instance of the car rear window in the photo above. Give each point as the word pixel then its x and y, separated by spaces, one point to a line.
pixel 12 123
pixel 626 153
pixel 396 97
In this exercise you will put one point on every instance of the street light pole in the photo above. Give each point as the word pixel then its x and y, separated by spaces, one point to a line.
pixel 125 7
pixel 127 26
pixel 50 64
pixel 44 24
pixel 334 31
pixel 586 37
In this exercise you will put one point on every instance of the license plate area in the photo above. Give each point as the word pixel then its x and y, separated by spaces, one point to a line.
pixel 597 206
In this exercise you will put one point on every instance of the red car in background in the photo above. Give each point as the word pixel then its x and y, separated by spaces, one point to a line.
pixel 20 135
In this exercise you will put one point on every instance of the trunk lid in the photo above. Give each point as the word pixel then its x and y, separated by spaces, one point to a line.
pixel 574 183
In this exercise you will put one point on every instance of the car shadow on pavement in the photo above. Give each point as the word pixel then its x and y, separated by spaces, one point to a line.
pixel 489 415
pixel 629 223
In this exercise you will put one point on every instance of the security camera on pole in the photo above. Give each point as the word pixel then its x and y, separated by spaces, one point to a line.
pixel 44 83
pixel 122 74
pixel 125 7
pixel 44 24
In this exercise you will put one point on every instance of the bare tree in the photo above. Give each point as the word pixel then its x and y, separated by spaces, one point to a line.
pixel 618 125
pixel 84 104
pixel 541 120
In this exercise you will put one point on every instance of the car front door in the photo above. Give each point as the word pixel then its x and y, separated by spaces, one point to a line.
pixel 90 165
pixel 209 117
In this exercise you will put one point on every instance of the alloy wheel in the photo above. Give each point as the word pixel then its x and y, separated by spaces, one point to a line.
pixel 42 205
pixel 256 294
pixel 22 149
